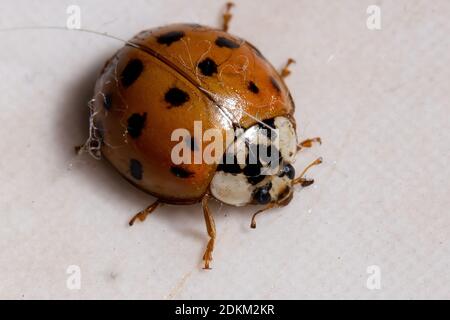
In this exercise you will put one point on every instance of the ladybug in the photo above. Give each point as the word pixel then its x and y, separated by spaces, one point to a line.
pixel 181 75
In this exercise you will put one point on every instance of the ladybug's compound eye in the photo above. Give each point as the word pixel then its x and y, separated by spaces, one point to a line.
pixel 262 195
pixel 288 170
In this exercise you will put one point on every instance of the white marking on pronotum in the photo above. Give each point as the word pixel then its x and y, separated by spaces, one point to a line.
pixel 231 189
pixel 235 189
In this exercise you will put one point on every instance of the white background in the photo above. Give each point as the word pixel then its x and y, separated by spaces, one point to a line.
pixel 379 100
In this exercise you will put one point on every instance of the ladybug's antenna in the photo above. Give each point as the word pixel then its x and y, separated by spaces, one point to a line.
pixel 302 181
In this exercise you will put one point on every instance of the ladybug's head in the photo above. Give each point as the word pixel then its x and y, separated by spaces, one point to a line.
pixel 257 168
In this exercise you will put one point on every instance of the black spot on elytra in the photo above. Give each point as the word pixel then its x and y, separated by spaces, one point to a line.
pixel 208 67
pixel 275 84
pixel 136 169
pixel 176 97
pixel 253 87
pixel 131 72
pixel 136 122
pixel 107 101
pixel 229 166
pixel 223 42
pixel 170 37
pixel 180 172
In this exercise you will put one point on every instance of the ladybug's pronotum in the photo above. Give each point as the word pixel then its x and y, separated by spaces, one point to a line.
pixel 175 76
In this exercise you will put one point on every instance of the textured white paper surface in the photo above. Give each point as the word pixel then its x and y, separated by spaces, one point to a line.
pixel 378 98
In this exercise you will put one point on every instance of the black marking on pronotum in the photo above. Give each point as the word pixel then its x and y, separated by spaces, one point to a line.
pixel 207 67
pixel 229 166
pixel 223 42
pixel 170 37
pixel 275 84
pixel 107 101
pixel 176 97
pixel 255 180
pixel 135 124
pixel 253 87
pixel 181 172
pixel 136 169
pixel 131 72
pixel 269 128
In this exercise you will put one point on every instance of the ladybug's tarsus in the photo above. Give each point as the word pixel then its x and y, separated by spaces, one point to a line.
pixel 308 143
pixel 144 213
pixel 227 16
pixel 305 182
pixel 285 71
pixel 211 228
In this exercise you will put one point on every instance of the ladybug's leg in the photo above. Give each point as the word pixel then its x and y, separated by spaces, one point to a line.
pixel 285 71
pixel 270 206
pixel 308 143
pixel 304 182
pixel 144 213
pixel 211 228
pixel 301 180
pixel 227 16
